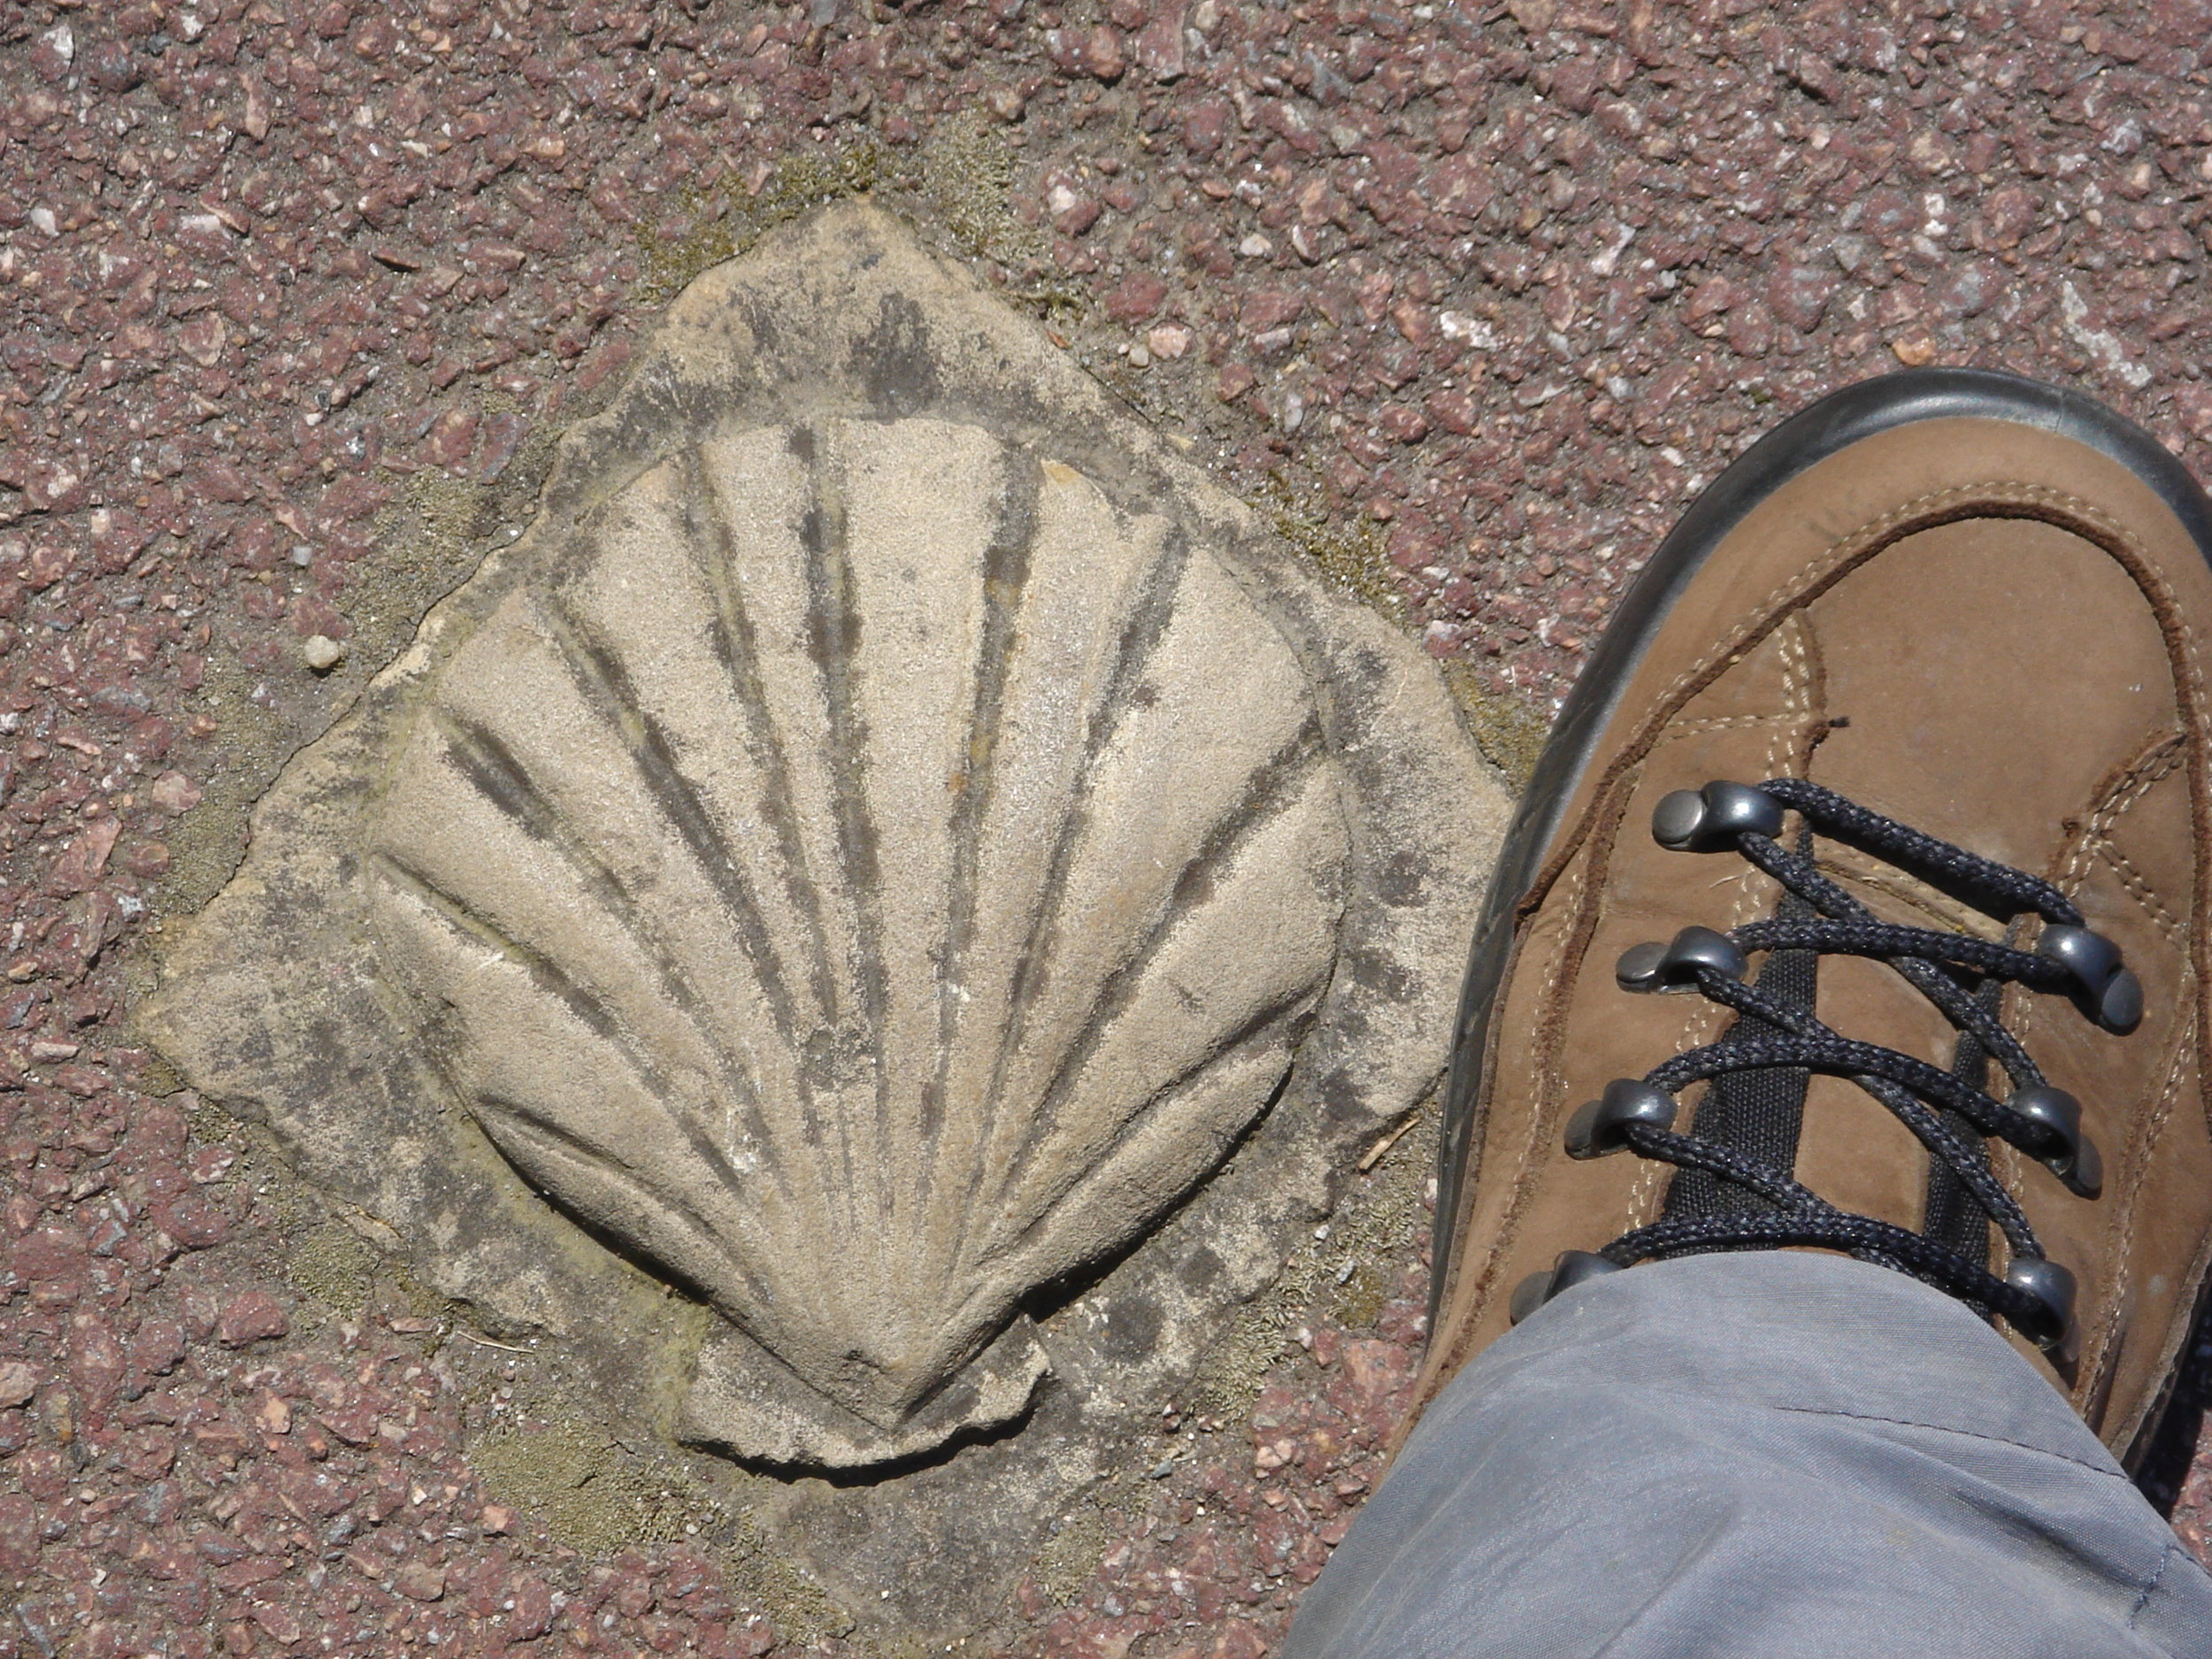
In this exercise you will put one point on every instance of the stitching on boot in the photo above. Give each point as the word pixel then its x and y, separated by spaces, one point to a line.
pixel 1543 1116
pixel 2117 793
pixel 2136 1161
pixel 1722 723
pixel 2138 1158
pixel 2139 889
pixel 1845 555
pixel 2122 788
pixel 2156 764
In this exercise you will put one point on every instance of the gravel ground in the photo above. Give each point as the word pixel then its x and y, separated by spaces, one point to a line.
pixel 1474 298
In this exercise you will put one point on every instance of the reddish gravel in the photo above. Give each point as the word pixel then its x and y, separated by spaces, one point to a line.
pixel 1488 292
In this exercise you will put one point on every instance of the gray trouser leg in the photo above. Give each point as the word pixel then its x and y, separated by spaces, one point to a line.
pixel 1775 1453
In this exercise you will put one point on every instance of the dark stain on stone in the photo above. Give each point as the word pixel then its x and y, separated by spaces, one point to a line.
pixel 1373 971
pixel 1131 1330
pixel 1200 1268
pixel 958 1399
pixel 893 360
pixel 1401 878
pixel 1342 1100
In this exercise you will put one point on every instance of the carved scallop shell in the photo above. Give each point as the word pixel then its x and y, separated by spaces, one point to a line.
pixel 867 877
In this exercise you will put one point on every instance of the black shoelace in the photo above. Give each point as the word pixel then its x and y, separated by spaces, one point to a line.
pixel 1734 1187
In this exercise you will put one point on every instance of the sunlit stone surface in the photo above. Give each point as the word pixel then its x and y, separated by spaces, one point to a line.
pixel 872 923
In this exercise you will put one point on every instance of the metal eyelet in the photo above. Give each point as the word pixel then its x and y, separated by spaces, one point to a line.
pixel 1573 1267
pixel 2103 987
pixel 1674 966
pixel 2068 1153
pixel 2053 1287
pixel 1601 1126
pixel 1710 819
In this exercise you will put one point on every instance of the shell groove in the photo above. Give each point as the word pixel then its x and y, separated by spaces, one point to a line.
pixel 868 878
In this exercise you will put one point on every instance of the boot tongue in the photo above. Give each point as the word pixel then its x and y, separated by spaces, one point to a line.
pixel 1850 1149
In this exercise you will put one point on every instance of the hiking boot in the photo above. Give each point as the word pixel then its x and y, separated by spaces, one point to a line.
pixel 1858 901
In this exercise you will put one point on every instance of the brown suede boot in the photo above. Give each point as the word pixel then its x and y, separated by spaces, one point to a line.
pixel 1935 995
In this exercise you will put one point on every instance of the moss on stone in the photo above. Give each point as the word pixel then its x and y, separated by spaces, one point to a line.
pixel 206 1118
pixel 724 218
pixel 1069 1557
pixel 423 1302
pixel 427 543
pixel 1377 1225
pixel 958 188
pixel 156 1075
pixel 1508 732
pixel 589 1492
pixel 1352 557
pixel 1358 1302
pixel 598 1495
pixel 206 845
pixel 967 176
pixel 336 1266
pixel 803 1613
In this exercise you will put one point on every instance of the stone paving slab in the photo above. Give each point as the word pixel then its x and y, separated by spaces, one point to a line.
pixel 869 930
pixel 294 302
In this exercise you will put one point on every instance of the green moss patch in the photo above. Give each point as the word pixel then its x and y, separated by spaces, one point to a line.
pixel 1377 1226
pixel 336 1266
pixel 1508 732
pixel 588 1491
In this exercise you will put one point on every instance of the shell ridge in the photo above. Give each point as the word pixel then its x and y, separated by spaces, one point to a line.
pixel 1258 1030
pixel 1273 787
pixel 1059 650
pixel 1151 606
pixel 734 645
pixel 590 1162
pixel 458 919
pixel 833 624
pixel 497 775
pixel 605 685
pixel 1006 569
pixel 765 659
pixel 1211 1090
pixel 917 495
pixel 662 943
pixel 734 642
pixel 599 673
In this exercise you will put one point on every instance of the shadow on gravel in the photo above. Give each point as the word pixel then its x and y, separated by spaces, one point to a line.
pixel 2164 1469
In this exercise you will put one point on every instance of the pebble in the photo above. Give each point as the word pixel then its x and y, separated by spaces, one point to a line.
pixel 172 791
pixel 18 1383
